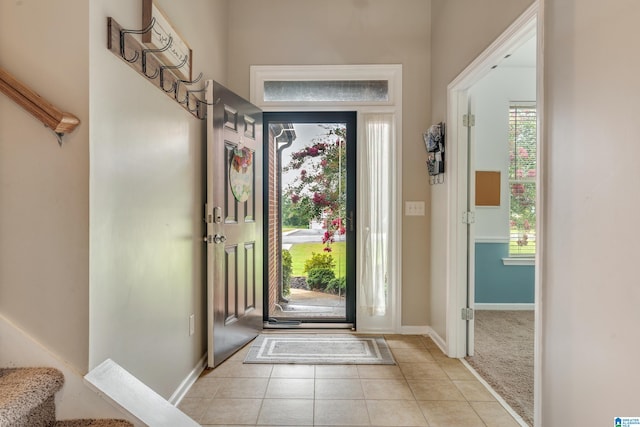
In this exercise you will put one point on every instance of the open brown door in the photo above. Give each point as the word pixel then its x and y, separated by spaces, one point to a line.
pixel 234 222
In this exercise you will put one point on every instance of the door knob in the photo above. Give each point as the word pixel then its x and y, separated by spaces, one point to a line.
pixel 218 238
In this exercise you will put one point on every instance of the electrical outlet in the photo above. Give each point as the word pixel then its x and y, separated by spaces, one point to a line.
pixel 192 324
pixel 412 208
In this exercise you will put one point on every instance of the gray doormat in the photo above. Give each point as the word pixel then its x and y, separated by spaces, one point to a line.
pixel 320 349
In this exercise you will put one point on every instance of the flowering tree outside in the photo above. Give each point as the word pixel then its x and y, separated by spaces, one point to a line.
pixel 522 178
pixel 318 191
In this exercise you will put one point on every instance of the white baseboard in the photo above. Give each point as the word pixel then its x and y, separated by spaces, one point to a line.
pixel 186 384
pixel 438 340
pixel 478 306
pixel 75 399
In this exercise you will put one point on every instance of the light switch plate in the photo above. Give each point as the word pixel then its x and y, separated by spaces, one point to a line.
pixel 414 208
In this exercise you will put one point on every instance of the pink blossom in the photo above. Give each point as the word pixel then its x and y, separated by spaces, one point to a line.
pixel 531 173
pixel 519 173
pixel 522 152
pixel 295 198
pixel 327 249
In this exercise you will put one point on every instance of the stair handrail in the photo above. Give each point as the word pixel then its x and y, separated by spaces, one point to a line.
pixel 58 121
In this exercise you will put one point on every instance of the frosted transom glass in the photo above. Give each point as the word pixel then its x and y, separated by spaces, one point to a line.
pixel 327 90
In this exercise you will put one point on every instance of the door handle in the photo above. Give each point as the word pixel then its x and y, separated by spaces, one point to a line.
pixel 214 239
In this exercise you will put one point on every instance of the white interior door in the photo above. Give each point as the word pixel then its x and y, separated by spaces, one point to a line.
pixel 234 222
pixel 469 123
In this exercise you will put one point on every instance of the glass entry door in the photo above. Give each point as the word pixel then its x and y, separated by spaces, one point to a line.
pixel 312 218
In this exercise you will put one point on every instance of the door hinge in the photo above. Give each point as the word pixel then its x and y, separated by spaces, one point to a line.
pixel 468 120
pixel 468 217
pixel 467 313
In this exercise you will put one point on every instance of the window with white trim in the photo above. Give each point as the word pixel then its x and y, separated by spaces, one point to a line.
pixel 522 178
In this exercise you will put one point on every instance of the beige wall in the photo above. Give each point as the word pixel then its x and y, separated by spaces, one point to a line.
pixel 147 198
pixel 461 30
pixel 590 282
pixel 307 32
pixel 44 189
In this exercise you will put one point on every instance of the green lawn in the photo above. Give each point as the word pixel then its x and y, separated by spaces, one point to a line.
pixel 528 249
pixel 300 252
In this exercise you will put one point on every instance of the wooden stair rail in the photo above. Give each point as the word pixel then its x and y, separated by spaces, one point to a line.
pixel 58 121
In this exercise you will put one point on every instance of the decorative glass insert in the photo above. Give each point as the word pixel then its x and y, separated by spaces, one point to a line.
pixel 326 91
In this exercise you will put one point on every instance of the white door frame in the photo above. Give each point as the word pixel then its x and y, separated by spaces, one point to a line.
pixel 393 105
pixel 457 100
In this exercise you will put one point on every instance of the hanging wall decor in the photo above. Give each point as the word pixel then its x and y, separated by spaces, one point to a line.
pixel 163 33
pixel 241 173
pixel 125 44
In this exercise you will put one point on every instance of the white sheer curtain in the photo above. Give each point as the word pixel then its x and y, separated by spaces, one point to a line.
pixel 375 209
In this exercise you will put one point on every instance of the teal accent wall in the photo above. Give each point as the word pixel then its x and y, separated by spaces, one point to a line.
pixel 497 283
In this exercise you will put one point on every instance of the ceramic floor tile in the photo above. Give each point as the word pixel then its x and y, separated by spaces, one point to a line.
pixel 435 390
pixel 290 388
pixel 242 388
pixel 289 412
pixel 232 411
pixel 395 413
pixel 240 354
pixel 379 372
pixel 386 389
pixel 421 371
pixel 493 414
pixel 455 369
pixel 404 341
pixel 194 407
pixel 474 391
pixel 335 388
pixel 450 414
pixel 336 371
pixel 411 355
pixel 204 387
pixel 237 369
pixel 293 371
pixel 341 413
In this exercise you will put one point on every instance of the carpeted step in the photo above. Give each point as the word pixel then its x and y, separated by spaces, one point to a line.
pixel 93 423
pixel 27 396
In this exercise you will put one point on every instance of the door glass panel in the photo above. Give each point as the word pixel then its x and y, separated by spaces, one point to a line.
pixel 313 220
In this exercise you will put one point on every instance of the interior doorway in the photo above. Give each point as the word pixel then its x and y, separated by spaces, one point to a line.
pixel 466 215
pixel 312 239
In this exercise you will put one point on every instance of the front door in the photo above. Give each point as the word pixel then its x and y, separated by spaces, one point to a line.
pixel 234 222
pixel 311 185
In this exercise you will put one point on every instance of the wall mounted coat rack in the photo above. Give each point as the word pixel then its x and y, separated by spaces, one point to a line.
pixel 58 121
pixel 123 43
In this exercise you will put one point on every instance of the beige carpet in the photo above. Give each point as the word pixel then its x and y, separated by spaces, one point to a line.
pixel 504 356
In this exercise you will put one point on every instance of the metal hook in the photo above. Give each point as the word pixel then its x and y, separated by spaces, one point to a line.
pixel 171 67
pixel 189 92
pixel 144 58
pixel 186 82
pixel 122 46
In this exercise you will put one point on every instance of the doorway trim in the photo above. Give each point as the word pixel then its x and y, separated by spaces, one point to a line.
pixel 457 100
pixel 393 105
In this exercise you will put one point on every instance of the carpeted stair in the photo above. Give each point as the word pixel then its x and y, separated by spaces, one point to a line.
pixel 27 400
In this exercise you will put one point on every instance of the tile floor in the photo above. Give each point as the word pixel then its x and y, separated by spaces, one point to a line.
pixel 425 388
